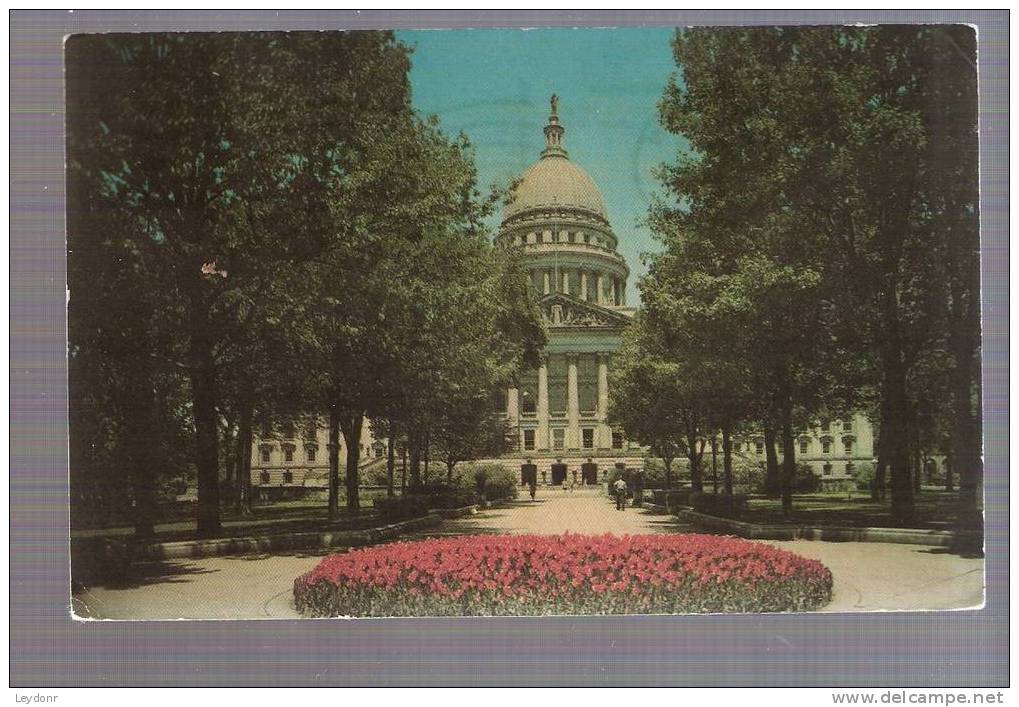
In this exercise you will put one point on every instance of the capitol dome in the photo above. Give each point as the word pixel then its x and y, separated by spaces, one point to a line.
pixel 554 182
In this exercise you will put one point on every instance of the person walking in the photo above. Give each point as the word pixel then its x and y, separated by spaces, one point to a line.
pixel 532 486
pixel 620 488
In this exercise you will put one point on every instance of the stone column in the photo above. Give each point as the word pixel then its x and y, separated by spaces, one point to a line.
pixel 604 431
pixel 513 414
pixel 546 283
pixel 566 281
pixel 583 284
pixel 614 300
pixel 541 436
pixel 572 403
pixel 599 297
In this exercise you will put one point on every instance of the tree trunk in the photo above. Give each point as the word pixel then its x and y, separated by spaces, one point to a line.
pixel 415 464
pixel 242 498
pixel 788 480
pixel 390 464
pixel 403 472
pixel 714 464
pixel 772 475
pixel 727 458
pixel 949 484
pixel 895 443
pixel 696 478
pixel 449 471
pixel 428 455
pixel 351 425
pixel 965 439
pixel 143 434
pixel 334 463
pixel 668 472
pixel 203 392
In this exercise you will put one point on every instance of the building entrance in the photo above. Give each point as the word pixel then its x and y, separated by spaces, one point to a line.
pixel 558 473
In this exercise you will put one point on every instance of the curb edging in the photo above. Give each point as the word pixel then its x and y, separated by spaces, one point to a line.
pixel 754 531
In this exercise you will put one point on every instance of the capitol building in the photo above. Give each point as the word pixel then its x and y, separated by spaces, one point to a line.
pixel 557 218
pixel 558 413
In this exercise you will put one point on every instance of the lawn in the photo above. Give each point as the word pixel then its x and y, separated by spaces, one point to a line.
pixel 935 510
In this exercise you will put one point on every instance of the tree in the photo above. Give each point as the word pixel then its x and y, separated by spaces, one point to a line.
pixel 809 148
pixel 223 190
pixel 654 400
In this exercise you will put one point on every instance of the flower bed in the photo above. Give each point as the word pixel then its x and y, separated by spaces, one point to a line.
pixel 528 575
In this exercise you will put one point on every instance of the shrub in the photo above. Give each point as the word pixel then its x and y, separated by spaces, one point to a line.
pixel 443 496
pixel 569 574
pixel 864 476
pixel 494 482
pixel 672 499
pixel 806 480
pixel 401 507
pixel 719 504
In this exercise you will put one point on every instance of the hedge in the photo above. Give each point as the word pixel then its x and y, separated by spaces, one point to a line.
pixel 719 504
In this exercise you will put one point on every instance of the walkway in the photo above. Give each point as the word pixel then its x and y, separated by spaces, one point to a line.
pixel 868 576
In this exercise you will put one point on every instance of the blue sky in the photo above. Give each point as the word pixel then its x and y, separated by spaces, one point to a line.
pixel 494 85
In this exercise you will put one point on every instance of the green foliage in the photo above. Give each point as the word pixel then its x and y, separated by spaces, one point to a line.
pixel 493 482
pixel 719 504
pixel 864 477
pixel 399 508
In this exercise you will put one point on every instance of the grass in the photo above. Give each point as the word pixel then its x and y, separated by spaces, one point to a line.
pixel 935 510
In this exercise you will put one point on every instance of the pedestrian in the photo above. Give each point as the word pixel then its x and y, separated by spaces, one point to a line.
pixel 533 486
pixel 620 488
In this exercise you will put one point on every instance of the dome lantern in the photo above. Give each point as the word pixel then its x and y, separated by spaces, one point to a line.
pixel 554 133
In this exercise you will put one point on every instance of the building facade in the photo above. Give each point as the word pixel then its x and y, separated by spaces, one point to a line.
pixel 297 455
pixel 558 220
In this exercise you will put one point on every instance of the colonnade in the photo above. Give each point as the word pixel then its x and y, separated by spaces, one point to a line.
pixel 574 420
pixel 601 288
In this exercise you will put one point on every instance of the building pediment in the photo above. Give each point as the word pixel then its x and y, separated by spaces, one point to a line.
pixel 562 311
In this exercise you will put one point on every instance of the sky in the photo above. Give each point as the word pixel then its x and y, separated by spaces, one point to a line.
pixel 494 85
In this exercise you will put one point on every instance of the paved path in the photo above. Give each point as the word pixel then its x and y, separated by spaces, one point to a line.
pixel 868 576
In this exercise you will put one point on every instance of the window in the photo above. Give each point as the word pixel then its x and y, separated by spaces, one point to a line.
pixel 804 446
pixel 266 455
pixel 827 469
pixel 288 477
pixel 288 454
pixel 847 425
pixel 617 440
pixel 311 429
pixel 848 444
pixel 825 426
pixel 528 439
pixel 826 446
pixel 558 438
pixel 850 469
pixel 312 451
pixel 263 477
pixel 759 446
pixel 588 437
